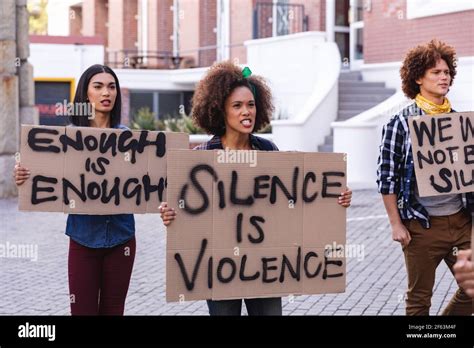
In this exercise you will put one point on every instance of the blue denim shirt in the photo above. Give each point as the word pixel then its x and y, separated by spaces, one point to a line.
pixel 101 231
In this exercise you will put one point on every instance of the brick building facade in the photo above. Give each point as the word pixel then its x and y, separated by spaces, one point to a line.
pixel 388 33
pixel 385 33
pixel 197 25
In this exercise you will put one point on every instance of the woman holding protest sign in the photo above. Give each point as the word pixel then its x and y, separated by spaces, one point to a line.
pixel 430 229
pixel 231 104
pixel 102 247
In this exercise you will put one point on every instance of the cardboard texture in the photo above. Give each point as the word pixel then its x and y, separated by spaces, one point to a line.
pixel 443 153
pixel 82 170
pixel 41 164
pixel 233 239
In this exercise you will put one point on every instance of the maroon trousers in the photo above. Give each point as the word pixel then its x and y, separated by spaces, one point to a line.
pixel 99 278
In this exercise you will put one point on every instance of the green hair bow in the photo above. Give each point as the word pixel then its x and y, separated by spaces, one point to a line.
pixel 246 74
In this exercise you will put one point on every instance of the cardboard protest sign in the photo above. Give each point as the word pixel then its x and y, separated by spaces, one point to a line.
pixel 443 153
pixel 259 229
pixel 83 170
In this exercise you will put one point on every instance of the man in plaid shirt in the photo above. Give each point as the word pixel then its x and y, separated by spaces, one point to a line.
pixel 430 229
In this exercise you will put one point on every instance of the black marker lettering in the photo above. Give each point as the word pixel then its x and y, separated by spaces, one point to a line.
pixel 233 192
pixel 114 192
pixel 233 267
pixel 295 273
pixel 422 128
pixel 35 189
pixel 466 127
pixel 308 176
pixel 199 188
pixel 327 184
pixel 266 268
pixel 443 127
pixel 190 282
pixel 239 227
pixel 68 185
pixel 258 186
pixel 306 262
pixel 254 220
pixel 77 144
pixel 137 191
pixel 100 163
pixel 33 141
pixel 242 275
pixel 444 174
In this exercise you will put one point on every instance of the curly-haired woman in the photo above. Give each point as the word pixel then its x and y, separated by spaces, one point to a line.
pixel 231 104
pixel 430 229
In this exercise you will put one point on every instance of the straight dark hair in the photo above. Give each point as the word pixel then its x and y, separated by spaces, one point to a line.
pixel 81 96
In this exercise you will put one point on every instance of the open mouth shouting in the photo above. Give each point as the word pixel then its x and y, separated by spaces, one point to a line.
pixel 106 102
pixel 247 123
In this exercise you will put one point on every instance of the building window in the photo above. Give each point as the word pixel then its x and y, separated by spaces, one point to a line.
pixel 342 28
pixel 342 41
pixel 49 93
pixel 278 17
pixel 163 104
pixel 359 44
pixel 140 100
pixel 342 13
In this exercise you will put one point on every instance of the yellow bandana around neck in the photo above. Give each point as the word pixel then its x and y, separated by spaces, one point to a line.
pixel 431 108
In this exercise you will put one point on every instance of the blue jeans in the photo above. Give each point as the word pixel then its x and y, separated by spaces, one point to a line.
pixel 255 306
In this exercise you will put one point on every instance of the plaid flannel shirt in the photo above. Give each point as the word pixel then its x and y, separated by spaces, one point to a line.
pixel 396 171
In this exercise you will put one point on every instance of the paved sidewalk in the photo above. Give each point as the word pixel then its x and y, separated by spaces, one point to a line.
pixel 375 285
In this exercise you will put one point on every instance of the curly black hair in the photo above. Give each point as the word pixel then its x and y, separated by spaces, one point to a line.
pixel 424 57
pixel 208 111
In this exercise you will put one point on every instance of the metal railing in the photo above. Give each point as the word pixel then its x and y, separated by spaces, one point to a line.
pixel 270 19
pixel 203 56
pixel 139 59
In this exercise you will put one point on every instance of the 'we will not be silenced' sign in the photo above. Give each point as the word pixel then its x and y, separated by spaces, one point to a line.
pixel 443 153
pixel 83 170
